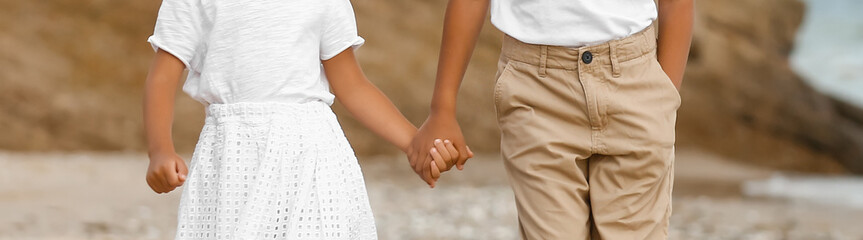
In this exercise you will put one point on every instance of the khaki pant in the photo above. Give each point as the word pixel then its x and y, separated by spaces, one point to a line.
pixel 588 138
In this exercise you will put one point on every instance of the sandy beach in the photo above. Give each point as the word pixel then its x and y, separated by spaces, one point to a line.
pixel 104 196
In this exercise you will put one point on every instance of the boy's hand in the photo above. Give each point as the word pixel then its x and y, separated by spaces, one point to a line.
pixel 166 172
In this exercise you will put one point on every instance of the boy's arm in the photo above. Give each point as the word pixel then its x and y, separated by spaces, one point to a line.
pixel 675 35
pixel 462 24
pixel 167 170
pixel 369 105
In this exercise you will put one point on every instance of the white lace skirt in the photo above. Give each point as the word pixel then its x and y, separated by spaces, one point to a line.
pixel 274 171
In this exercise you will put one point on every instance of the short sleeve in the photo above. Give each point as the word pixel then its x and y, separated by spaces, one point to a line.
pixel 340 30
pixel 179 29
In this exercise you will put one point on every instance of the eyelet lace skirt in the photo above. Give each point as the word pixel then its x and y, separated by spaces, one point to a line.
pixel 274 171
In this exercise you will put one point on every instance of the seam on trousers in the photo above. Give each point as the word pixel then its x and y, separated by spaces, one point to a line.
pixel 543 57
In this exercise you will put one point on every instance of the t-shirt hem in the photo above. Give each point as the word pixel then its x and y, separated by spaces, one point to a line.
pixel 156 44
pixel 354 44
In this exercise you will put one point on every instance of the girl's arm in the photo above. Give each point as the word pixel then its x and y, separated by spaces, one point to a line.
pixel 369 105
pixel 675 35
pixel 167 170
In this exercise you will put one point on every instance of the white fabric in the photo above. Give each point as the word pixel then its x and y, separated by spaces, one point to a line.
pixel 274 171
pixel 272 161
pixel 255 51
pixel 571 23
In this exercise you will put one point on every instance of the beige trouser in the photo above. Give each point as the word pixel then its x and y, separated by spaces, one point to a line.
pixel 588 138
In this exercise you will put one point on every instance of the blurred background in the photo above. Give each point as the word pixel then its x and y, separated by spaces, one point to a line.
pixel 770 133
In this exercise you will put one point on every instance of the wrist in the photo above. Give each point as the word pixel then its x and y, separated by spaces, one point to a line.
pixel 160 151
pixel 442 108
pixel 442 114
pixel 405 143
pixel 443 102
pixel 405 148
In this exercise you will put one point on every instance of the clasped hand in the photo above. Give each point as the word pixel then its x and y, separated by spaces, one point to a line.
pixel 437 146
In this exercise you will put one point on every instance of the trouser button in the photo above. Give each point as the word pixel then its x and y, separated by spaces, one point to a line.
pixel 587 57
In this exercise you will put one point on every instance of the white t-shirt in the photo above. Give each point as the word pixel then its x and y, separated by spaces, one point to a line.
pixel 256 51
pixel 571 23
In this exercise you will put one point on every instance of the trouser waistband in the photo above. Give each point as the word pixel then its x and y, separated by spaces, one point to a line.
pixel 609 53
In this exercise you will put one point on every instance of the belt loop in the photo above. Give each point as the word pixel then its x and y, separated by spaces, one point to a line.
pixel 543 56
pixel 612 53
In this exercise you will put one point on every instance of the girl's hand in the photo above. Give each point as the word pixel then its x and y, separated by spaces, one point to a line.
pixel 166 172
pixel 437 127
pixel 443 154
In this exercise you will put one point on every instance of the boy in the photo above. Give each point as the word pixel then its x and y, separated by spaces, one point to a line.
pixel 586 100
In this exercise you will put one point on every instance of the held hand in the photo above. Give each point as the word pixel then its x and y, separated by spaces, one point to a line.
pixel 436 127
pixel 447 153
pixel 431 172
pixel 166 172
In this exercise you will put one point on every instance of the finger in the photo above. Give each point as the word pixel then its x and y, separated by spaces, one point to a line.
pixel 171 177
pixel 453 152
pixel 463 156
pixel 450 148
pixel 435 171
pixel 444 153
pixel 437 159
pixel 182 171
pixel 469 156
pixel 167 184
pixel 425 179
pixel 426 173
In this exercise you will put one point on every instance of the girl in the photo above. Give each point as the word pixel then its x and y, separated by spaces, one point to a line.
pixel 271 161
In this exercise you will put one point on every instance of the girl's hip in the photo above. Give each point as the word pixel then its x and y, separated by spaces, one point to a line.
pixel 269 127
pixel 262 112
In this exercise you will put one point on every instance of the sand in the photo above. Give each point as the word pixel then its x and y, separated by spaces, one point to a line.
pixel 104 196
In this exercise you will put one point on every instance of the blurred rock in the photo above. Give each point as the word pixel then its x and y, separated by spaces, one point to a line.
pixel 742 99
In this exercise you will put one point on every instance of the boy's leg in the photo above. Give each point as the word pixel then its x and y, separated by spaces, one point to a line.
pixel 629 204
pixel 545 139
pixel 631 173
